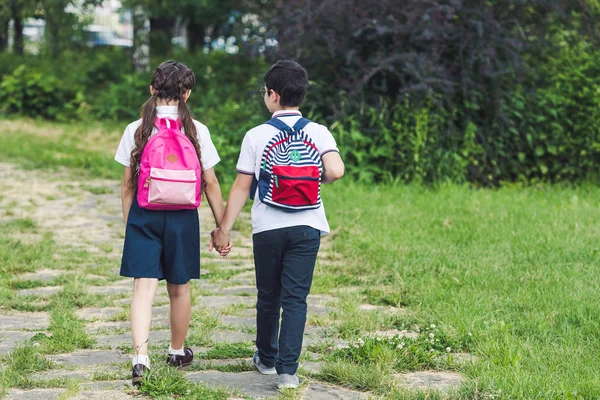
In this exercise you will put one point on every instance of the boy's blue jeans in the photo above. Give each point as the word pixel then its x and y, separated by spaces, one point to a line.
pixel 284 260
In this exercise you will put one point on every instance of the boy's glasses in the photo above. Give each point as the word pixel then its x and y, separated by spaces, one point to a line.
pixel 263 90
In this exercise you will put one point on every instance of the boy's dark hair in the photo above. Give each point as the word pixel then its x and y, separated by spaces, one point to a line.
pixel 290 80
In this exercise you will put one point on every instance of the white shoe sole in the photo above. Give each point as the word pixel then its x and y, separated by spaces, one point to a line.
pixel 288 386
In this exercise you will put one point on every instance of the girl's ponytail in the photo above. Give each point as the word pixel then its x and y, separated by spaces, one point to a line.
pixel 142 134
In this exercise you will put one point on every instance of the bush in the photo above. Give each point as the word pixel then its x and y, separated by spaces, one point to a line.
pixel 34 94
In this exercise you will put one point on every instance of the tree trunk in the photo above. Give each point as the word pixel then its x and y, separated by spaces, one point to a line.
pixel 16 11
pixel 161 32
pixel 141 41
pixel 53 11
pixel 196 33
pixel 3 35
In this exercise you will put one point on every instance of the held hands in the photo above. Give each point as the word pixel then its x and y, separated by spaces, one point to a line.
pixel 220 241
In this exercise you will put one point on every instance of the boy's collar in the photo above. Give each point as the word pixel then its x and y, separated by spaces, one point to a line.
pixel 287 113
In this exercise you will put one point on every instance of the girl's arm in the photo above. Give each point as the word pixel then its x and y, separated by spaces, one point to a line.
pixel 126 194
pixel 214 195
pixel 237 199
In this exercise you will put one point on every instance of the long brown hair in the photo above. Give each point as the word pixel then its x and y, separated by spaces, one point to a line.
pixel 170 81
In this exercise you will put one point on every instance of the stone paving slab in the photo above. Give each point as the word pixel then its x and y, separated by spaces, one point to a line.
pixel 90 357
pixel 44 275
pixel 104 327
pixel 237 290
pixel 232 337
pixel 250 383
pixel 104 395
pixel 238 322
pixel 436 380
pixel 124 339
pixel 113 289
pixel 220 302
pixel 318 391
pixel 36 394
pixel 41 291
pixel 10 339
pixel 98 312
pixel 107 385
pixel 312 367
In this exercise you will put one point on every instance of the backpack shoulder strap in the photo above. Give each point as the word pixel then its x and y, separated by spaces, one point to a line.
pixel 279 124
pixel 302 122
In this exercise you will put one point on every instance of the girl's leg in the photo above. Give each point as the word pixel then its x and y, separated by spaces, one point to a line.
pixel 144 290
pixel 181 310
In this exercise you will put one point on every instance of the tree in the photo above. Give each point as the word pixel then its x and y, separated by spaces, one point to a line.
pixel 60 23
pixel 4 20
pixel 16 11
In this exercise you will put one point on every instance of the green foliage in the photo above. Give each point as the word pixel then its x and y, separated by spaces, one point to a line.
pixel 32 93
pixel 558 124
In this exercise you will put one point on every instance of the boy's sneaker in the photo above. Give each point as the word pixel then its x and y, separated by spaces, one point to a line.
pixel 263 369
pixel 288 381
pixel 137 374
pixel 176 360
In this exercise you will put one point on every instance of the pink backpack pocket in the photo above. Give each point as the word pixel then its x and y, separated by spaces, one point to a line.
pixel 169 176
pixel 172 187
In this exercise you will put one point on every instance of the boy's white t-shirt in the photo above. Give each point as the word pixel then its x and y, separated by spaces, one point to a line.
pixel 264 217
pixel 208 152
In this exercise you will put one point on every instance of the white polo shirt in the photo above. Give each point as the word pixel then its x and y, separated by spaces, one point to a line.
pixel 264 217
pixel 208 152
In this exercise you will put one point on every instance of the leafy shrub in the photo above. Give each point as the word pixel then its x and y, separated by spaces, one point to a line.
pixel 122 100
pixel 35 94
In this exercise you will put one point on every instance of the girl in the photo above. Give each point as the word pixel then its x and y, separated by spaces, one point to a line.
pixel 164 244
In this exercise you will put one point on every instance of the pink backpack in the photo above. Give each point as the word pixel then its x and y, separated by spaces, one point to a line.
pixel 170 176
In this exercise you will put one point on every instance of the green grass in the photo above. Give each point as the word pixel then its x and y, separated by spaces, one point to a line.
pixel 516 269
pixel 228 350
pixel 20 365
pixel 508 275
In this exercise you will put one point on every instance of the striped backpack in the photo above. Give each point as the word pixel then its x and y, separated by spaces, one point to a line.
pixel 291 168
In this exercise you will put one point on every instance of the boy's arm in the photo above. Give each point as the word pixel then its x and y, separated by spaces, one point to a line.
pixel 240 191
pixel 333 167
pixel 214 195
pixel 126 194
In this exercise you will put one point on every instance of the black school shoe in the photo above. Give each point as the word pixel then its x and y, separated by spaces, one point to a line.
pixel 138 374
pixel 176 360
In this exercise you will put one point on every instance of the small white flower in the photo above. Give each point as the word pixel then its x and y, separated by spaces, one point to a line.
pixel 379 339
pixel 402 343
pixel 432 326
pixel 400 346
pixel 470 334
pixel 431 351
pixel 432 341
pixel 437 340
pixel 448 349
pixel 356 346
pixel 432 335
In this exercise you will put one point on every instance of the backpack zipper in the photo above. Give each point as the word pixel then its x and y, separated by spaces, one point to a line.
pixel 295 178
pixel 166 180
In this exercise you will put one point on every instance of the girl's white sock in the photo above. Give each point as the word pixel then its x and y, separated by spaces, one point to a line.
pixel 174 352
pixel 141 359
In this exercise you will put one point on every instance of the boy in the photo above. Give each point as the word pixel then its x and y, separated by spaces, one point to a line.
pixel 285 243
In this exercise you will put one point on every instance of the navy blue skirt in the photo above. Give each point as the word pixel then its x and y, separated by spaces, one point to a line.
pixel 162 245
